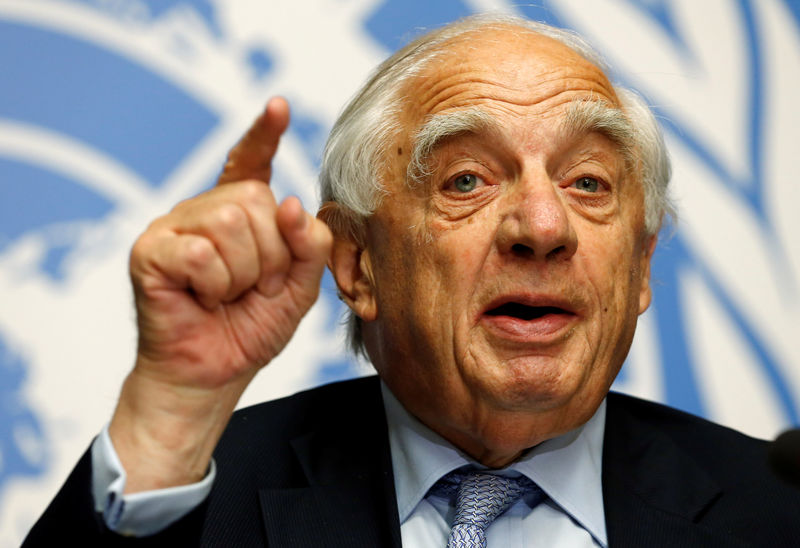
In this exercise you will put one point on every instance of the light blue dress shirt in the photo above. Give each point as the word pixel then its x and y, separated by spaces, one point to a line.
pixel 567 468
pixel 146 512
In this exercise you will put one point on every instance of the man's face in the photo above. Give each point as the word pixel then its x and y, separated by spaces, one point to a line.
pixel 506 284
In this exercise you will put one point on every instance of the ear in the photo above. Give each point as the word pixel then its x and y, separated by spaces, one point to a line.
pixel 646 291
pixel 350 263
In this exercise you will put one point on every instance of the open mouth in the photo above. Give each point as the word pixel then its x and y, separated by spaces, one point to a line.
pixel 524 312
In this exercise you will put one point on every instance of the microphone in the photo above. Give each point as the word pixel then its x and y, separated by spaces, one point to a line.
pixel 783 456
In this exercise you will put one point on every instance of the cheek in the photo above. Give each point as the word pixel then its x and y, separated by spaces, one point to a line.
pixel 464 237
pixel 410 274
pixel 616 279
pixel 458 256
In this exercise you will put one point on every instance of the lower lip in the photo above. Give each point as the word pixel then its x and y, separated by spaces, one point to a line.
pixel 544 329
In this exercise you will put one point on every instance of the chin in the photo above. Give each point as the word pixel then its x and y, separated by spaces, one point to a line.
pixel 536 385
pixel 530 396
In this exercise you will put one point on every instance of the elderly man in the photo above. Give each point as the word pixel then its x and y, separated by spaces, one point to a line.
pixel 490 209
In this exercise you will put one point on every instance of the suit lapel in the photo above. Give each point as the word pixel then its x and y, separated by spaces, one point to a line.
pixel 652 489
pixel 349 498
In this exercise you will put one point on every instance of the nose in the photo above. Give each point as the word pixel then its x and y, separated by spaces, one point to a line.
pixel 535 222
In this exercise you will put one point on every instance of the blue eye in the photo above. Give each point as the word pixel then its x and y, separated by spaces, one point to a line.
pixel 466 182
pixel 587 184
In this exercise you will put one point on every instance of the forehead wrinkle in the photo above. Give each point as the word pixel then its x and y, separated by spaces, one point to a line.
pixel 454 80
pixel 461 87
pixel 449 92
pixel 520 54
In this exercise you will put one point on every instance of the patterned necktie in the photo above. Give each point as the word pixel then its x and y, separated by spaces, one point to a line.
pixel 480 498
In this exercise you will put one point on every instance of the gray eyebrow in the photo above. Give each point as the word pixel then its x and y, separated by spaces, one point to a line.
pixel 583 116
pixel 439 128
pixel 590 116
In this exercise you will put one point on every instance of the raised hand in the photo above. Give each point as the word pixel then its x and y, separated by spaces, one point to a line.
pixel 221 283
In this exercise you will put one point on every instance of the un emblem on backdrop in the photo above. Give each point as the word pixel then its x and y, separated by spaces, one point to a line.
pixel 94 129
pixel 111 111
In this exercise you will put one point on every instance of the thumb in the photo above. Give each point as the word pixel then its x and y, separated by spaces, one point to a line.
pixel 309 240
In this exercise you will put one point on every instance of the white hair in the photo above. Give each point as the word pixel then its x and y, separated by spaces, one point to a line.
pixel 356 153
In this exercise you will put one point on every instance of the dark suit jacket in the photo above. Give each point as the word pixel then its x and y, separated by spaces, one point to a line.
pixel 315 470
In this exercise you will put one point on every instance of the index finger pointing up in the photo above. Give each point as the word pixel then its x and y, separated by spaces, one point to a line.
pixel 251 157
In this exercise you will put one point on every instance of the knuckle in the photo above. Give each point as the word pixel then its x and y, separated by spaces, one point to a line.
pixel 257 192
pixel 229 218
pixel 144 246
pixel 199 253
pixel 141 246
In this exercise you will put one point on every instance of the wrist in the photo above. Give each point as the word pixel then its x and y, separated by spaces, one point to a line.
pixel 165 434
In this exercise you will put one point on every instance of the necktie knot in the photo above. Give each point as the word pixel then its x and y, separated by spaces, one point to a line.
pixel 480 498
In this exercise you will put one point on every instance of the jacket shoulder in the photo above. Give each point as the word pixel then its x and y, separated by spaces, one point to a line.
pixel 328 406
pixel 703 439
pixel 668 470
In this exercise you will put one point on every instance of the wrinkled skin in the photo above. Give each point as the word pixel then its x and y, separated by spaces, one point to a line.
pixel 221 283
pixel 517 213
pixel 545 220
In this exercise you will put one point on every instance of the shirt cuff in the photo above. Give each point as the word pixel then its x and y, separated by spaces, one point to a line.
pixel 144 513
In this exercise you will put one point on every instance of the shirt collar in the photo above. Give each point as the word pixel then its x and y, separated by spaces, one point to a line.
pixel 568 468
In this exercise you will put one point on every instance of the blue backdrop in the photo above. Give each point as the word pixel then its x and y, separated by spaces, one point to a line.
pixel 111 111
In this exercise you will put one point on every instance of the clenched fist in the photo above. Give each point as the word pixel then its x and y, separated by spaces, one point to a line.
pixel 221 283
